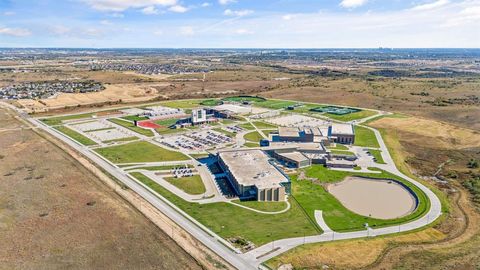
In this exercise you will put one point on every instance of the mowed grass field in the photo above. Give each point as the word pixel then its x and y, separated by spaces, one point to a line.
pixel 253 136
pixel 364 137
pixel 377 154
pixel 132 127
pixel 139 152
pixel 229 220
pixel 351 116
pixel 313 196
pixel 58 120
pixel 190 184
pixel 263 206
pixel 75 135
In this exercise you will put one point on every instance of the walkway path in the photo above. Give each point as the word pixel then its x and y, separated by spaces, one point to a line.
pixel 321 222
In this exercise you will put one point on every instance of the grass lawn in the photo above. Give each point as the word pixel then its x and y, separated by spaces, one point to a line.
pixel 132 127
pixel 247 126
pixel 191 184
pixel 275 104
pixel 263 125
pixel 229 220
pixel 253 136
pixel 244 98
pixel 351 116
pixel 75 135
pixel 377 155
pixel 211 102
pixel 251 144
pixel 263 206
pixel 161 168
pixel 267 132
pixel 228 133
pixel 313 196
pixel 342 152
pixel 182 104
pixel 166 130
pixel 338 147
pixel 199 156
pixel 227 121
pixel 166 122
pixel 364 137
pixel 139 152
pixel 58 120
pixel 127 139
pixel 134 117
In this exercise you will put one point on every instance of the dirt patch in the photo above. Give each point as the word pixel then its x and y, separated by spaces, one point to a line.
pixel 391 200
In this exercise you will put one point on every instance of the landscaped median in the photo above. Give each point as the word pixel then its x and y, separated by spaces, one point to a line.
pixel 75 135
pixel 228 220
pixel 140 151
pixel 190 184
pixel 364 137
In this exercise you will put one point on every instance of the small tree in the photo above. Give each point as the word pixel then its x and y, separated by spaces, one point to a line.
pixel 472 164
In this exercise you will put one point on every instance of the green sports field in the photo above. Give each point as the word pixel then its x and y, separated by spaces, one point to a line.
pixel 139 152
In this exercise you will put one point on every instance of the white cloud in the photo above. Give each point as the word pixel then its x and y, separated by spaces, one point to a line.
pixel 238 13
pixel 16 32
pixel 9 13
pixel 433 5
pixel 243 32
pixel 205 4
pixel 187 31
pixel 468 15
pixel 60 30
pixel 178 9
pixel 106 22
pixel 288 17
pixel 92 32
pixel 352 3
pixel 226 2
pixel 121 5
pixel 150 10
pixel 117 15
pixel 158 32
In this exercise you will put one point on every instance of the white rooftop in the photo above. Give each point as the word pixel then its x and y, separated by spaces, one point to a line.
pixel 344 129
pixel 251 168
pixel 234 108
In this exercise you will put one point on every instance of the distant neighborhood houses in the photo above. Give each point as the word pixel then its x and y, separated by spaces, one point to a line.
pixel 149 69
pixel 33 90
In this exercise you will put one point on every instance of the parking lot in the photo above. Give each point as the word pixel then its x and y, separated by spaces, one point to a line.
pixel 196 141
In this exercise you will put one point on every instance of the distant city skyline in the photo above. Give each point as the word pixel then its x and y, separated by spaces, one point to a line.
pixel 240 24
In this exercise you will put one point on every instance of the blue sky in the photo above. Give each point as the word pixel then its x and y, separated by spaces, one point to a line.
pixel 240 23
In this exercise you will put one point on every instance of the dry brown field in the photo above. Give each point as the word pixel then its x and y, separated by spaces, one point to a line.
pixel 391 95
pixel 54 214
